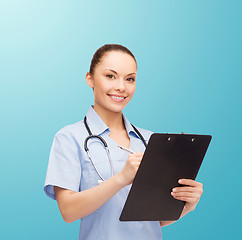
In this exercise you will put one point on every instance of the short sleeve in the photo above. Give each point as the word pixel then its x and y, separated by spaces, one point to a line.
pixel 64 168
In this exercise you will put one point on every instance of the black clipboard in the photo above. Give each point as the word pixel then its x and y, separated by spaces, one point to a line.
pixel 167 158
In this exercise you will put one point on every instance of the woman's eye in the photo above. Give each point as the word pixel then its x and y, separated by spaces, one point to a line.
pixel 109 75
pixel 131 79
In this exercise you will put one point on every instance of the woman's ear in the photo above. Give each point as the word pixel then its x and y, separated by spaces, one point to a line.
pixel 89 80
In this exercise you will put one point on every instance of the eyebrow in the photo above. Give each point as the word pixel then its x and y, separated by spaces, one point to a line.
pixel 117 73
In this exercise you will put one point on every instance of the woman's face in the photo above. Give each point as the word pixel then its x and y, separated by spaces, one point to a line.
pixel 113 81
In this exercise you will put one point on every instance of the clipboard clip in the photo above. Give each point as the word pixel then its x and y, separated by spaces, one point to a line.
pixel 169 138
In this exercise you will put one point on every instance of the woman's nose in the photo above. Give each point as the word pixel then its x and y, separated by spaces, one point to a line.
pixel 120 84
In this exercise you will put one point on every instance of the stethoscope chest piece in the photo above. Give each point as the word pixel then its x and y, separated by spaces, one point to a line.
pixel 99 182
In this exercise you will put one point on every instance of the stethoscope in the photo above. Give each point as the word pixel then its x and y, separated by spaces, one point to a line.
pixel 106 147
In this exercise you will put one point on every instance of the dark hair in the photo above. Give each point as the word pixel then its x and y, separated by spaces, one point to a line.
pixel 105 49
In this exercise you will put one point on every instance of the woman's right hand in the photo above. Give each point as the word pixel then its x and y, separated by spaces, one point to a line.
pixel 130 168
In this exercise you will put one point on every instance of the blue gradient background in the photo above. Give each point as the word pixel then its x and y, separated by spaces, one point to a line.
pixel 189 79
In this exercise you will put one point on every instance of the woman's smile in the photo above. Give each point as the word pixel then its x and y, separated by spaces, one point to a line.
pixel 117 98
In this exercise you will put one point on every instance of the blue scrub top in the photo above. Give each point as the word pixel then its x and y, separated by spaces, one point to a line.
pixel 69 167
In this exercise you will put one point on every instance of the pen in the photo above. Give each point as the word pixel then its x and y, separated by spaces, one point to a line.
pixel 126 149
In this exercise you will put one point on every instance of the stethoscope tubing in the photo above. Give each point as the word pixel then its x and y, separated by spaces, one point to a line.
pixel 105 145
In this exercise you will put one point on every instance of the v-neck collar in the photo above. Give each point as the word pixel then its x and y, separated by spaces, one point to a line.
pixel 98 126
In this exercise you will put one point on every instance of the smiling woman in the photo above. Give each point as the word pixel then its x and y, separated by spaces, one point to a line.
pixel 74 172
pixel 112 83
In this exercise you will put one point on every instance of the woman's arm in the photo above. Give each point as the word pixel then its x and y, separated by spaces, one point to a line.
pixel 76 205
pixel 184 212
pixel 190 194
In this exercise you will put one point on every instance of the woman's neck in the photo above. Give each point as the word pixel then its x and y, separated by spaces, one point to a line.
pixel 113 120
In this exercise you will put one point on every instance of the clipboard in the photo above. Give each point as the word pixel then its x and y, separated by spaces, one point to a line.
pixel 167 158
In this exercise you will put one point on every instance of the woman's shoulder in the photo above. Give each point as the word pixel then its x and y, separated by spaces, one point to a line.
pixel 70 129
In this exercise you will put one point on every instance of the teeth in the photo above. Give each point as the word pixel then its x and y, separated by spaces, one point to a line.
pixel 117 97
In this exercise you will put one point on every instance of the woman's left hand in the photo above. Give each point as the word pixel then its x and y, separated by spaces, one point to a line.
pixel 190 194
